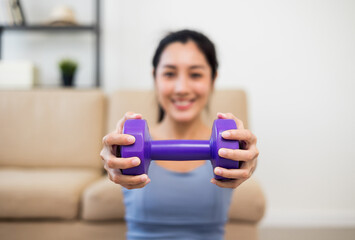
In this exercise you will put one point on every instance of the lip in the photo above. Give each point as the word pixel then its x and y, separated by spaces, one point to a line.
pixel 183 104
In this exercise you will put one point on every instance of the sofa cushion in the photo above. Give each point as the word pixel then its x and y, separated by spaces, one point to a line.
pixel 233 101
pixel 103 200
pixel 51 128
pixel 43 193
pixel 138 101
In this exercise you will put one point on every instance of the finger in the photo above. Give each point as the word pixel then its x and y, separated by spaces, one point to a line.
pixel 222 115
pixel 110 173
pixel 227 184
pixel 141 185
pixel 233 173
pixel 118 139
pixel 128 115
pixel 105 153
pixel 239 134
pixel 122 163
pixel 120 123
pixel 129 180
pixel 238 154
pixel 240 124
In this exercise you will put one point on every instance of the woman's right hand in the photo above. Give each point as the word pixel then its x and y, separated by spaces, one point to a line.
pixel 113 165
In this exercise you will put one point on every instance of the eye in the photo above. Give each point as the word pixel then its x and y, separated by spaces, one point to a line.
pixel 196 75
pixel 169 74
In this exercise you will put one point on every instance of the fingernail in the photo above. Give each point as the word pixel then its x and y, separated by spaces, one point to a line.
pixel 136 115
pixel 144 178
pixel 226 134
pixel 222 152
pixel 131 139
pixel 135 161
pixel 218 171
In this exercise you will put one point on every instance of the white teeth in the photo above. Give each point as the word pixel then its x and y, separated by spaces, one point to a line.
pixel 182 103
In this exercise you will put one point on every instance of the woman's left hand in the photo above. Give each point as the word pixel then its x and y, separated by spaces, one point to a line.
pixel 247 155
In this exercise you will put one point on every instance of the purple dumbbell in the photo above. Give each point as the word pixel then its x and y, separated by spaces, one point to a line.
pixel 176 150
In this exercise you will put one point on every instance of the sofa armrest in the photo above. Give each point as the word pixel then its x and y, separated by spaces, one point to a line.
pixel 248 202
pixel 102 200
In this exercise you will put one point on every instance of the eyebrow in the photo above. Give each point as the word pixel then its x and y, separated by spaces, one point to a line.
pixel 192 67
pixel 169 66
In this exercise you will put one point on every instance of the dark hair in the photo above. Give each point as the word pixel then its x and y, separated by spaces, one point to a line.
pixel 202 42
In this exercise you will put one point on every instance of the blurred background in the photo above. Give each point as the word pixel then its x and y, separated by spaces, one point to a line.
pixel 295 60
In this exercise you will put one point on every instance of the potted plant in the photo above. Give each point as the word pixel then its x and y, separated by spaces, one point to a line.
pixel 68 68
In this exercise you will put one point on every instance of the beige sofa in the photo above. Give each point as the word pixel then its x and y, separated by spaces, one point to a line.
pixel 52 184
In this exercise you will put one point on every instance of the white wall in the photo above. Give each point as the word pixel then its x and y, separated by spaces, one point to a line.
pixel 296 60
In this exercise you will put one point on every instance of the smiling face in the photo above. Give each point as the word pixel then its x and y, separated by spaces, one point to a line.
pixel 183 81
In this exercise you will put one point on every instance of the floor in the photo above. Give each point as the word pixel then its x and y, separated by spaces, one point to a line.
pixel 307 233
pixel 107 230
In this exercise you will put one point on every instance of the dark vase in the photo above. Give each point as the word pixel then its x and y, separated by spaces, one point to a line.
pixel 67 80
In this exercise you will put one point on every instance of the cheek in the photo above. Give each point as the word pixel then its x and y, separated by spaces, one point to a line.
pixel 163 90
pixel 203 90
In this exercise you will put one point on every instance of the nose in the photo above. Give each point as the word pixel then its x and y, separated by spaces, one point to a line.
pixel 181 84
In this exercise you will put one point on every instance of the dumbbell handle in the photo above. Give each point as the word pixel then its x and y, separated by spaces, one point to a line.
pixel 146 149
pixel 180 150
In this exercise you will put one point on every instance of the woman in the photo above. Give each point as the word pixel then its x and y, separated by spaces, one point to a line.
pixel 180 202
